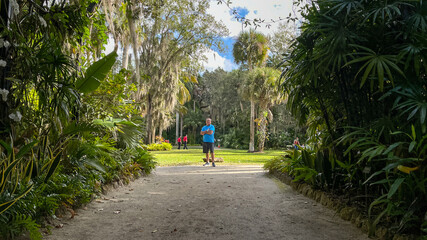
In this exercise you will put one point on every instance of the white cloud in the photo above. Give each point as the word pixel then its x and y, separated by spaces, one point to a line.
pixel 214 61
pixel 265 9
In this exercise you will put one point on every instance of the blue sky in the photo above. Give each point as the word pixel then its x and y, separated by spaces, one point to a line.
pixel 228 48
pixel 228 42
pixel 241 11
pixel 264 9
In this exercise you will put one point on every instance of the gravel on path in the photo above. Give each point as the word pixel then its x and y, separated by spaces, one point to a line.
pixel 195 202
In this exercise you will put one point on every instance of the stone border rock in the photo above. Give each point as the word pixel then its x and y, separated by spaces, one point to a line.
pixel 346 212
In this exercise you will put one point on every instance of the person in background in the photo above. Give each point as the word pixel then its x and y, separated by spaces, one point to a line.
pixel 179 142
pixel 296 143
pixel 208 132
pixel 185 139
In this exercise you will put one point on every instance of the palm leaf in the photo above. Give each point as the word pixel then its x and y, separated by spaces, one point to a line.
pixel 96 73
pixel 25 149
pixel 52 167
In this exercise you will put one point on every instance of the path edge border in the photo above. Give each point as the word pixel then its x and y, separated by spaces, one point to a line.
pixel 103 189
pixel 346 212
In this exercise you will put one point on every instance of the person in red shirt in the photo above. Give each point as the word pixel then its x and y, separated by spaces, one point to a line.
pixel 296 143
pixel 179 142
pixel 185 142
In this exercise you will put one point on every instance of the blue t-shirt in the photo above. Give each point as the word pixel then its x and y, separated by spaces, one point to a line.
pixel 207 137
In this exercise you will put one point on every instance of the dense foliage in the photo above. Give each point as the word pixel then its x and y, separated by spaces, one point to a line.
pixel 357 78
pixel 220 95
pixel 67 125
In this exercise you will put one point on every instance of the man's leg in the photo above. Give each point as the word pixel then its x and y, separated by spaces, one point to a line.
pixel 213 159
pixel 207 159
pixel 213 155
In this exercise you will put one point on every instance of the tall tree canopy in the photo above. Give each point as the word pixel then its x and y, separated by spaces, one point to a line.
pixel 250 48
pixel 173 33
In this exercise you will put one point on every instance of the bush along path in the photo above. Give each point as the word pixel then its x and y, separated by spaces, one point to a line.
pixel 195 202
pixel 341 207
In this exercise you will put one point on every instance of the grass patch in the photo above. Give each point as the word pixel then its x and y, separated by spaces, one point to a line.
pixel 194 156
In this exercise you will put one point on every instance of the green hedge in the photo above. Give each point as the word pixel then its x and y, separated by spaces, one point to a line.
pixel 159 147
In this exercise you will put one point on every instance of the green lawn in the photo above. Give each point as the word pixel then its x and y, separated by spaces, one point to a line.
pixel 195 155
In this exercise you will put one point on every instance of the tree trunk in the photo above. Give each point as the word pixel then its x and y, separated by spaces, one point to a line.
pixel 195 134
pixel 252 127
pixel 153 135
pixel 182 120
pixel 223 123
pixel 262 131
pixel 161 131
pixel 131 21
pixel 149 119
pixel 125 58
pixel 177 128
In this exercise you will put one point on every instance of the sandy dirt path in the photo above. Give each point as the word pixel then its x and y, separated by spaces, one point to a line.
pixel 195 202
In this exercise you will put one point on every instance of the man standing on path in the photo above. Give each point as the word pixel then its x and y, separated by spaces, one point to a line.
pixel 208 132
pixel 179 142
pixel 185 142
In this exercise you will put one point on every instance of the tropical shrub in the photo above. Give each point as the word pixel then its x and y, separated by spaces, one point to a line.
pixel 356 77
pixel 280 140
pixel 53 154
pixel 164 146
pixel 88 164
pixel 145 160
pixel 236 139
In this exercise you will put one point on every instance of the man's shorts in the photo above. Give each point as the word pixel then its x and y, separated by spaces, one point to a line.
pixel 208 146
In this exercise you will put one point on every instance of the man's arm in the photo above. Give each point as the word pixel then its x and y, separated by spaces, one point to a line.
pixel 209 132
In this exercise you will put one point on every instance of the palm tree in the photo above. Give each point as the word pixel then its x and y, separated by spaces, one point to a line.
pixel 263 84
pixel 251 49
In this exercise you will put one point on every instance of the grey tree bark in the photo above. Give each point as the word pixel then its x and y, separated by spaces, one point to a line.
pixel 134 37
pixel 177 128
pixel 252 134
pixel 181 120
pixel 125 57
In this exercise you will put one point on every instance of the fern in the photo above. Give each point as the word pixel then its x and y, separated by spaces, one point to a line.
pixel 19 224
